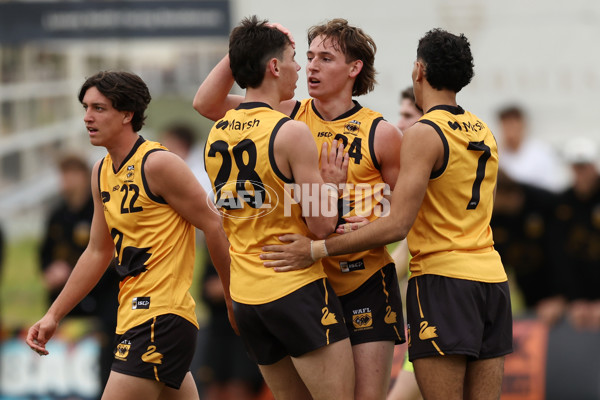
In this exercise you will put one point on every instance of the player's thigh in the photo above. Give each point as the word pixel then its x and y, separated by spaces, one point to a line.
pixel 483 379
pixel 125 387
pixel 284 381
pixel 441 377
pixel 373 368
pixel 187 390
pixel 328 372
pixel 405 387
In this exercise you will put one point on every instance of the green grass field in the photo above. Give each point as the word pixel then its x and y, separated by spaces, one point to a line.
pixel 22 293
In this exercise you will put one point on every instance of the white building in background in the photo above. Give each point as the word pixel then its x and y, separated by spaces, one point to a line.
pixel 46 51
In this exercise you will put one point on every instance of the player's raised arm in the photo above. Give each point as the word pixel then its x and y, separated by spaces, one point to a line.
pixel 212 100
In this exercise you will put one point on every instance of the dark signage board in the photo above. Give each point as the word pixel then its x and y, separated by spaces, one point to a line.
pixel 29 21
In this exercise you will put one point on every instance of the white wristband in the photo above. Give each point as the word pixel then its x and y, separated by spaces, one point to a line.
pixel 318 249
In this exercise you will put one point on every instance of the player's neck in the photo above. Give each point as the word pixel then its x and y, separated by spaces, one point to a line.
pixel 121 147
pixel 260 95
pixel 332 108
pixel 432 98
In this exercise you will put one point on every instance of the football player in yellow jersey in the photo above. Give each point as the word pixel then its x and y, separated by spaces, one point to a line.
pixel 146 202
pixel 292 324
pixel 458 301
pixel 340 65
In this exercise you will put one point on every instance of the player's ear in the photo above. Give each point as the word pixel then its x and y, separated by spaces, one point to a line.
pixel 355 68
pixel 127 117
pixel 419 71
pixel 273 66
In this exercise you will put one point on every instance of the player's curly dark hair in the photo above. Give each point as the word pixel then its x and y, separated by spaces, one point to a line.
pixel 447 58
pixel 251 45
pixel 355 44
pixel 126 91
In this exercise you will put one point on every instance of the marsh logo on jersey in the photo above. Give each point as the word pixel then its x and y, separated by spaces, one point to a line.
pixel 362 319
pixel 352 127
pixel 237 125
pixel 122 350
pixel 139 303
pixel 349 266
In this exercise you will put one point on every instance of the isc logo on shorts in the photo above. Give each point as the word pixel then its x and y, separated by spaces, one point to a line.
pixel 140 303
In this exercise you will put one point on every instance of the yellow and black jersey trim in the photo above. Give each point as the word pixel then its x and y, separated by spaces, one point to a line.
pixel 151 195
pixel 376 122
pixel 437 173
pixel 274 166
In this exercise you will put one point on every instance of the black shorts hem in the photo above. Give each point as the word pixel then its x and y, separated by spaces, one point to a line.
pixel 499 354
pixel 331 341
pixel 357 339
pixel 467 353
pixel 170 384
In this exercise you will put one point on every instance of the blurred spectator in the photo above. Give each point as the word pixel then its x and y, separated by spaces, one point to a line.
pixel 522 236
pixel 67 235
pixel 225 371
pixel 576 252
pixel 524 158
pixel 181 140
pixel 2 244
pixel 409 113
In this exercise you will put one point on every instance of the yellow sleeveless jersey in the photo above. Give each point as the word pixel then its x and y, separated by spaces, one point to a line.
pixel 451 235
pixel 250 192
pixel 155 246
pixel 363 193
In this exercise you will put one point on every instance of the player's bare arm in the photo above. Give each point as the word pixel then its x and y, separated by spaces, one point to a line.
pixel 169 177
pixel 213 100
pixel 388 142
pixel 422 152
pixel 87 272
pixel 296 157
